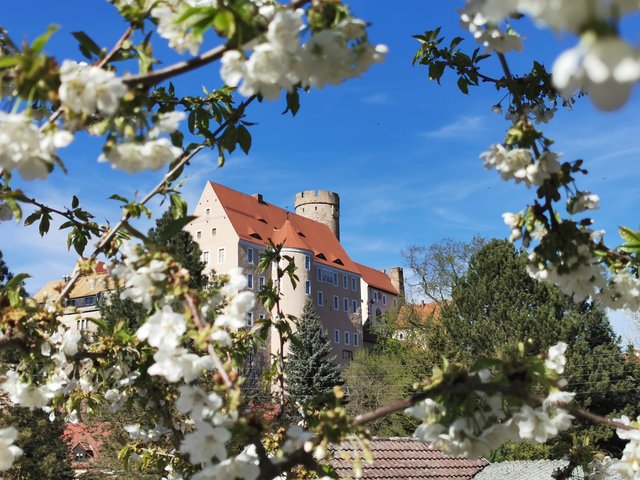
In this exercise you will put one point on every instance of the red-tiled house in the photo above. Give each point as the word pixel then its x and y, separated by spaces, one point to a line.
pixel 405 459
pixel 233 229
pixel 85 443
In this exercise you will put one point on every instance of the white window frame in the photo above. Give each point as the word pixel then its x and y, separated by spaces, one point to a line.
pixel 250 281
pixel 249 319
pixel 205 257
pixel 356 340
pixel 384 299
pixel 354 306
pixel 214 231
pixel 345 281
pixel 199 235
pixel 336 302
pixel 347 337
pixel 336 336
pixel 222 255
pixel 261 282
pixel 207 212
pixel 307 262
pixel 345 304
pixel 307 287
pixel 320 298
pixel 250 255
pixel 353 284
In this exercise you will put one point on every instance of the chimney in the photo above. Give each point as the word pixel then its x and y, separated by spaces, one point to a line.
pixel 396 274
pixel 258 196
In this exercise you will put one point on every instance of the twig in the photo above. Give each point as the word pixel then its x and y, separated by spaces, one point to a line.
pixel 157 76
pixel 110 234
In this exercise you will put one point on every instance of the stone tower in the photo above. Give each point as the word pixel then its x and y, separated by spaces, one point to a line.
pixel 320 205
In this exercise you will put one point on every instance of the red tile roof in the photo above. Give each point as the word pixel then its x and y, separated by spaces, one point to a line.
pixel 407 459
pixel 91 437
pixel 256 221
pixel 376 279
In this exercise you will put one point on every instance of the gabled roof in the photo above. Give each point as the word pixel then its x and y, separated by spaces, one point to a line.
pixel 406 459
pixel 257 221
pixel 86 285
pixel 89 437
pixel 523 470
pixel 376 279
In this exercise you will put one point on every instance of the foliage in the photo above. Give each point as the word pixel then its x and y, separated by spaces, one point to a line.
pixel 311 370
pixel 45 455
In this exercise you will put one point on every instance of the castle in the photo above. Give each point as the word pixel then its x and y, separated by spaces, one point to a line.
pixel 233 229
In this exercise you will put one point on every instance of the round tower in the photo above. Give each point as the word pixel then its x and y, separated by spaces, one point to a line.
pixel 322 206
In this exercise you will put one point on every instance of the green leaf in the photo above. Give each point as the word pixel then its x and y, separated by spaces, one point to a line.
pixel 45 223
pixel 172 227
pixel 41 41
pixel 244 139
pixel 14 288
pixel 225 23
pixel 75 202
pixel 293 103
pixel 118 197
pixel 6 62
pixel 629 235
pixel 178 205
pixel 463 85
pixel 87 46
pixel 32 218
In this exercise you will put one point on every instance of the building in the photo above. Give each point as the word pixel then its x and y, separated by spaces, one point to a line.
pixel 82 303
pixel 233 230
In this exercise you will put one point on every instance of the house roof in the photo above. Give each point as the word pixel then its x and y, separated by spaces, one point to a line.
pixel 418 313
pixel 406 459
pixel 257 221
pixel 521 470
pixel 376 279
pixel 89 437
pixel 86 285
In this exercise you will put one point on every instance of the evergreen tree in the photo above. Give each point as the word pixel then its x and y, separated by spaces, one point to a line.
pixel 181 245
pixel 496 304
pixel 311 372
pixel 45 454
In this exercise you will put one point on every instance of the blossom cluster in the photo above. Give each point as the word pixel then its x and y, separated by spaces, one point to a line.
pixel 281 62
pixel 518 164
pixel 27 149
pixel 493 421
pixel 602 64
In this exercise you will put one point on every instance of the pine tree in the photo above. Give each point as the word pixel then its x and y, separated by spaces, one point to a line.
pixel 311 372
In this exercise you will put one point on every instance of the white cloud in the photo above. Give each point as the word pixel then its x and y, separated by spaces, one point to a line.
pixel 461 128
pixel 376 99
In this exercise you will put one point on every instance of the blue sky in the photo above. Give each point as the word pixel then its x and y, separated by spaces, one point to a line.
pixel 401 151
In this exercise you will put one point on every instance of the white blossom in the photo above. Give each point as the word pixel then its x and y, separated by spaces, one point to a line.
pixel 88 89
pixel 163 329
pixel 556 359
pixel 8 451
pixel 25 148
pixel 167 122
pixel 244 465
pixel 206 443
pixel 583 201
pixel 133 157
pixel 297 437
pixel 196 401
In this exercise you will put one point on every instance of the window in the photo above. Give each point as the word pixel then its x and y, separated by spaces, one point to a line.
pixel 198 234
pixel 356 340
pixel 307 287
pixel 249 319
pixel 249 255
pixel 221 255
pixel 336 336
pixel 250 281
pixel 384 299
pixel 345 304
pixel 320 298
pixel 262 316
pixel 345 281
pixel 347 355
pixel 205 257
pixel 261 282
pixel 213 232
pixel 347 337
pixel 354 306
pixel 207 212
pixel 307 262
pixel 336 302
pixel 353 284
pixel 327 276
